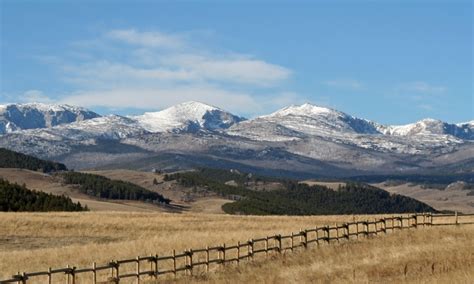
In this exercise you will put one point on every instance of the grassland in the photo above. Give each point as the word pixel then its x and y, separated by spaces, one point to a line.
pixel 429 255
pixel 454 200
pixel 32 241
pixel 36 241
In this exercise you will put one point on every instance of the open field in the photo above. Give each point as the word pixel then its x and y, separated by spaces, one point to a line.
pixel 454 200
pixel 427 255
pixel 35 241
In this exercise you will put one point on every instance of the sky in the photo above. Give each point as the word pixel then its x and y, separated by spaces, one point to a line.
pixel 394 62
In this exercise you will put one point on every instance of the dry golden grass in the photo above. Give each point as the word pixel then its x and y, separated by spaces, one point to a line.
pixel 438 199
pixel 427 255
pixel 36 241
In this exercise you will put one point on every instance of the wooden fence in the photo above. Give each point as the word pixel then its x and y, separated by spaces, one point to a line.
pixel 190 260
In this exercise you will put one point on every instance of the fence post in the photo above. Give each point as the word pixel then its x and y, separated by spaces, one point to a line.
pixel 24 278
pixel 191 261
pixel 305 238
pixel 326 229
pixel 174 263
pixel 207 258
pixel 223 254
pixel 157 272
pixel 337 232
pixel 138 269
pixel 292 241
pixel 279 243
pixel 94 273
pixel 357 230
pixel 117 272
pixel 238 252
pixel 68 278
pixel 49 275
pixel 266 246
pixel 251 248
pixel 456 215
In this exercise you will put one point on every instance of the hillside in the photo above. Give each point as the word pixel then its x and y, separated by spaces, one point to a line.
pixel 11 159
pixel 299 198
pixel 14 197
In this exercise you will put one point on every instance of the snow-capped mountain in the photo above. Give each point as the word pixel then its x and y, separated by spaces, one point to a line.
pixel 295 122
pixel 15 117
pixel 431 127
pixel 187 117
pixel 306 139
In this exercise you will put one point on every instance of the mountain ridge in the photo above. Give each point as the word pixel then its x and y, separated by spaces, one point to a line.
pixel 295 138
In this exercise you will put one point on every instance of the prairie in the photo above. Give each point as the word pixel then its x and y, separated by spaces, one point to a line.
pixel 36 241
pixel 439 199
pixel 428 255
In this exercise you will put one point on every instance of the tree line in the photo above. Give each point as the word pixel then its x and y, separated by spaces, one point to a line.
pixel 14 197
pixel 301 199
pixel 102 187
pixel 11 159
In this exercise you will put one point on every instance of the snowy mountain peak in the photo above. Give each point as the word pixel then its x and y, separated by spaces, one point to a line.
pixel 430 126
pixel 189 116
pixel 306 109
pixel 15 117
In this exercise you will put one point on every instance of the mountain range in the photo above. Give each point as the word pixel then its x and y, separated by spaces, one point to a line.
pixel 301 141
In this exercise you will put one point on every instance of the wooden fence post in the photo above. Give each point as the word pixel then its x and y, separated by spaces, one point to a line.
pixel 292 234
pixel 185 262
pixel 207 258
pixel 279 243
pixel 68 278
pixel 223 254
pixel 117 272
pixel 238 253
pixel 94 273
pixel 138 269
pixel 157 272
pixel 266 246
pixel 326 229
pixel 357 230
pixel 305 238
pixel 174 263
pixel 49 275
pixel 191 261
pixel 456 217
pixel 251 248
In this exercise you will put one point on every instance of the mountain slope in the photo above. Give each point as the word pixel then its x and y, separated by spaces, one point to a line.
pixel 187 117
pixel 301 140
pixel 15 117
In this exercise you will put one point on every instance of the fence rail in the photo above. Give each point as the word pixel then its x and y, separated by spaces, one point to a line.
pixel 155 265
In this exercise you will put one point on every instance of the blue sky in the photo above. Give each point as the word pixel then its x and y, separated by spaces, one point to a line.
pixel 389 61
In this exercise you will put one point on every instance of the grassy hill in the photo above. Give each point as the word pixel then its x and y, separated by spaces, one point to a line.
pixel 14 197
pixel 102 187
pixel 298 198
pixel 11 159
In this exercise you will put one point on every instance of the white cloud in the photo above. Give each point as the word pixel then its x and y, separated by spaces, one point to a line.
pixel 423 87
pixel 146 39
pixel 351 84
pixel 35 96
pixel 153 70
pixel 237 102
pixel 235 68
